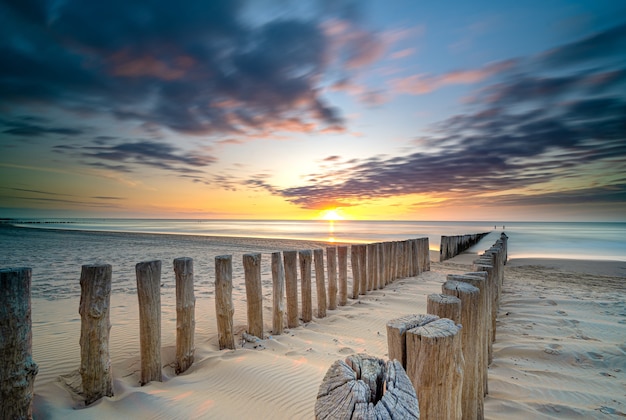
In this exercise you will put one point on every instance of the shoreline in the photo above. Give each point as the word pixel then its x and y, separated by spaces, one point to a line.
pixel 280 378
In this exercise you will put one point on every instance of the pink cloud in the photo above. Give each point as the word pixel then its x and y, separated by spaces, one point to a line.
pixel 419 84
pixel 407 52
pixel 125 65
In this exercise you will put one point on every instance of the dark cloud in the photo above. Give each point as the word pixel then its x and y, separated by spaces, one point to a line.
pixel 198 68
pixel 602 45
pixel 150 153
pixel 31 126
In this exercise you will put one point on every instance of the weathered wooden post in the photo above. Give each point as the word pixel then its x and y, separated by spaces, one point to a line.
pixel 95 326
pixel 342 261
pixel 17 369
pixel 415 258
pixel 371 267
pixel 426 243
pixel 435 367
pixel 305 275
pixel 254 293
pixel 362 254
pixel 149 294
pixel 185 314
pixel 396 334
pixel 491 305
pixel 401 260
pixel 380 265
pixel 356 278
pixel 278 293
pixel 394 261
pixel 320 283
pixel 444 306
pixel 479 280
pixel 331 261
pixel 409 257
pixel 224 308
pixel 472 393
pixel 365 387
pixel 290 259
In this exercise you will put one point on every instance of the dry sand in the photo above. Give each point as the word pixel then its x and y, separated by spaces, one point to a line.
pixel 560 350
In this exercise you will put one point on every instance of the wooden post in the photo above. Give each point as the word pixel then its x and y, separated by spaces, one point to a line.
pixel 444 306
pixel 394 261
pixel 415 255
pixel 305 275
pixel 371 267
pixel 401 260
pixel 362 254
pixel 380 265
pixel 409 258
pixel 17 370
pixel 254 293
pixel 342 261
pixel 95 326
pixel 479 280
pixel 491 305
pixel 472 393
pixel 224 308
pixel 396 334
pixel 149 294
pixel 426 254
pixel 356 278
pixel 290 259
pixel 331 261
pixel 278 293
pixel 365 387
pixel 320 283
pixel 435 367
pixel 185 314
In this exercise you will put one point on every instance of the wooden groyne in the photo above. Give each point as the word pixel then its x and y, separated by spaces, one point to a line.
pixel 373 267
pixel 446 353
pixel 451 246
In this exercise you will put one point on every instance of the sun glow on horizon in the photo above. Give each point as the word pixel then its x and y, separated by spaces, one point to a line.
pixel 332 215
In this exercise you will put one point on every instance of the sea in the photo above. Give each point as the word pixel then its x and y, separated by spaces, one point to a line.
pixel 56 249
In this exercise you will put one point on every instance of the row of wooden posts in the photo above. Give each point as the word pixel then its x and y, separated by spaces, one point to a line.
pixel 373 266
pixel 447 351
pixel 451 246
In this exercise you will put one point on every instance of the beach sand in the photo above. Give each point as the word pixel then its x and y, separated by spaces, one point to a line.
pixel 560 350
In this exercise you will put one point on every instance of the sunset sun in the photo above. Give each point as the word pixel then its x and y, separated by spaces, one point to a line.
pixel 331 215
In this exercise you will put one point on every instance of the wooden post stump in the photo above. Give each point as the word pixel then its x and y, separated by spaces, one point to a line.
pixel 254 293
pixel 224 308
pixel 354 262
pixel 185 314
pixel 331 261
pixel 95 326
pixel 444 306
pixel 380 264
pixel 342 261
pixel 472 394
pixel 305 275
pixel 149 294
pixel 362 253
pixel 278 294
pixel 371 267
pixel 479 280
pixel 17 370
pixel 365 387
pixel 320 283
pixel 491 305
pixel 396 334
pixel 435 367
pixel 290 259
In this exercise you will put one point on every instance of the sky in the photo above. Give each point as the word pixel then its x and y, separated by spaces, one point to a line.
pixel 291 109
